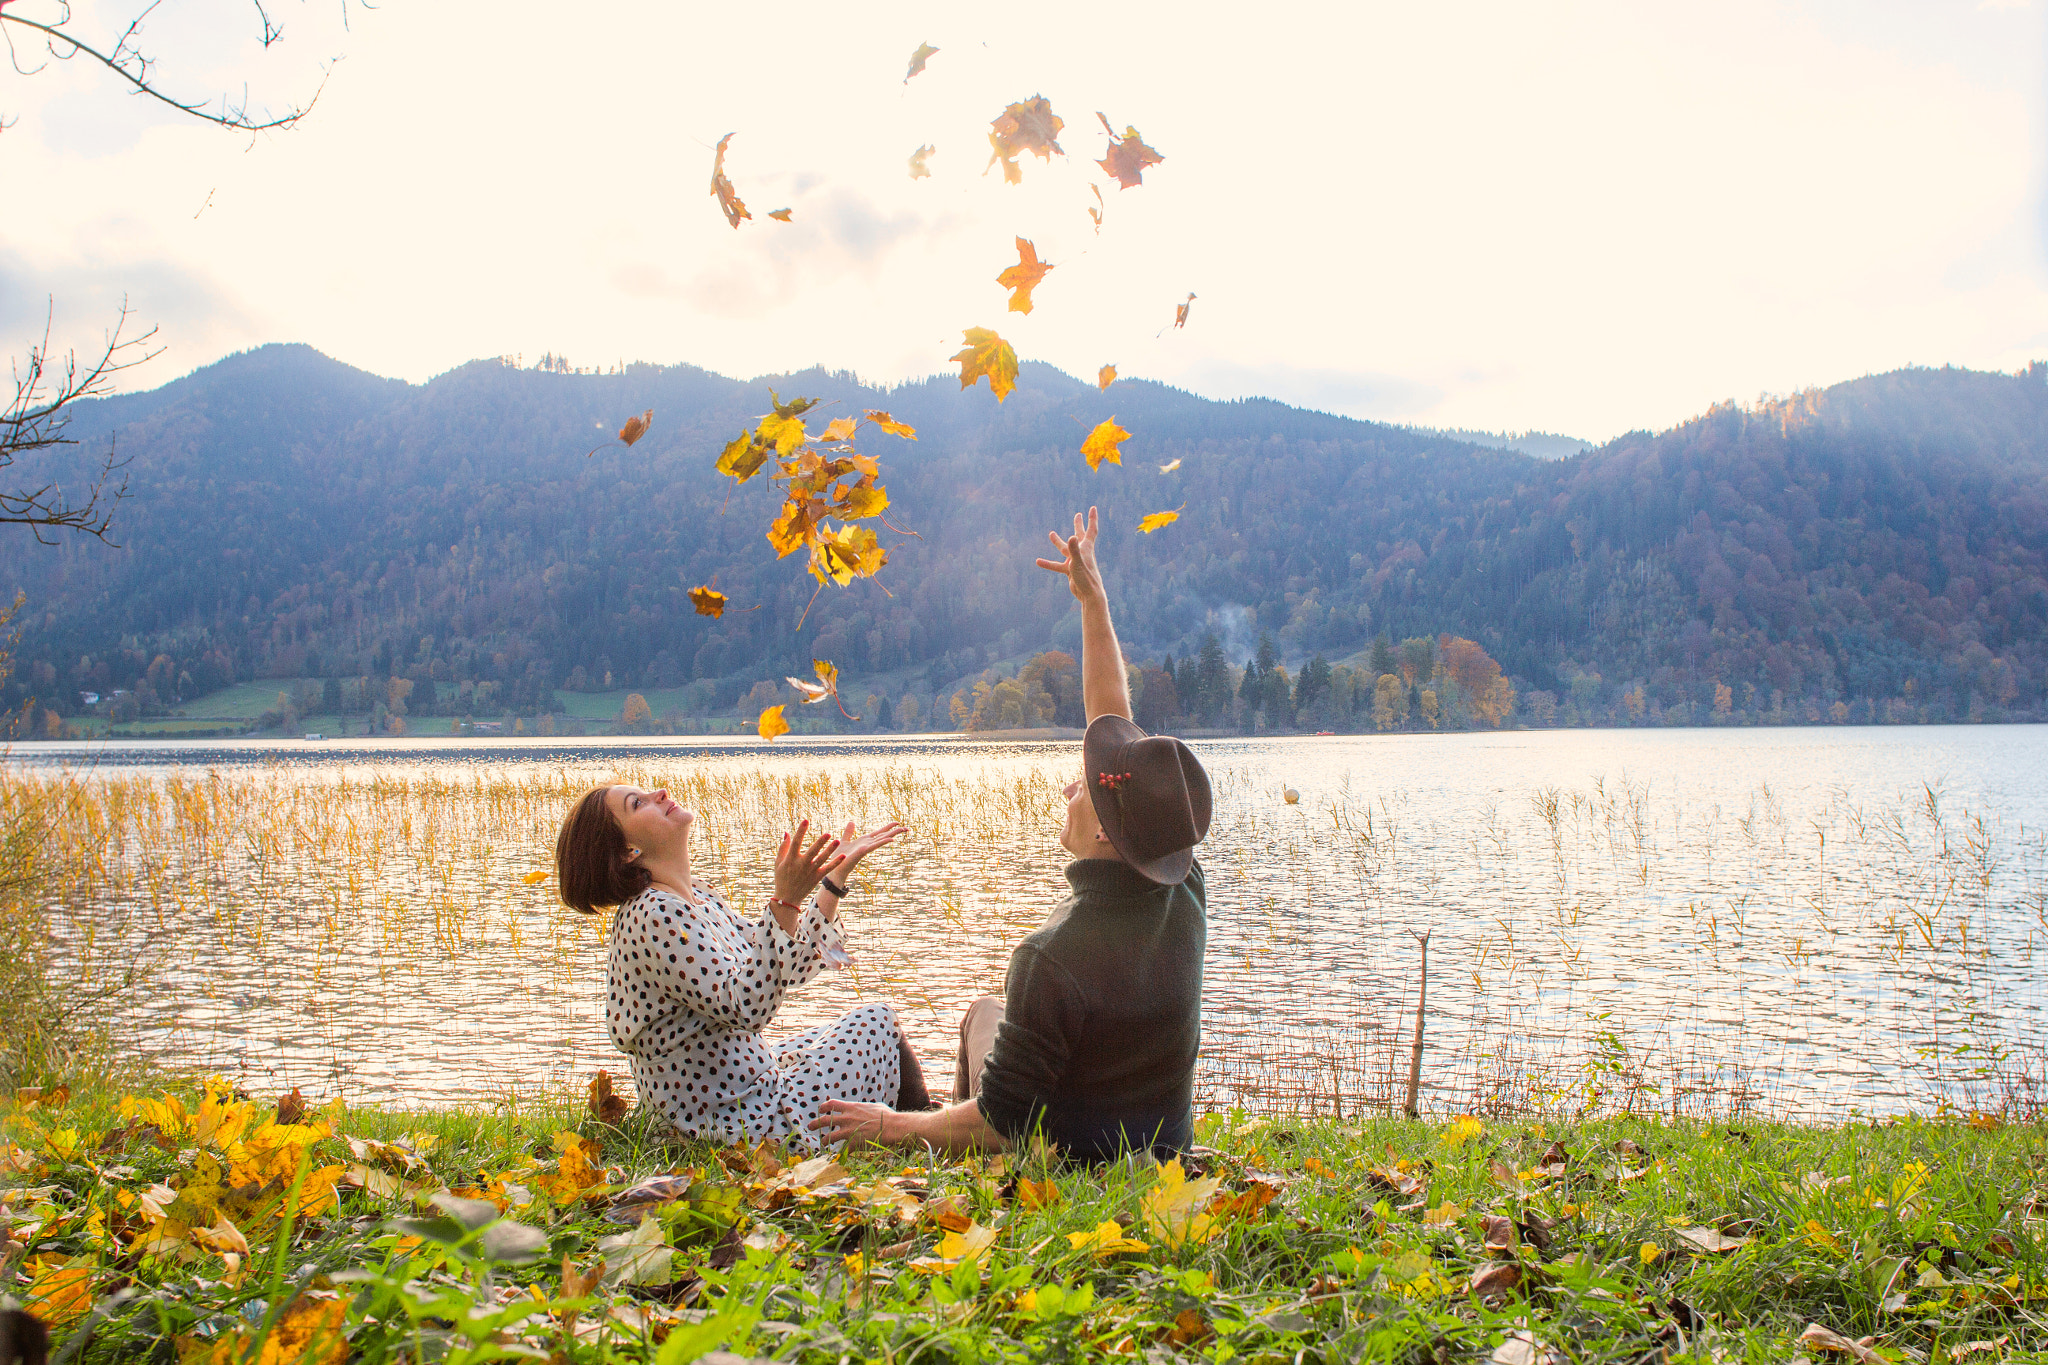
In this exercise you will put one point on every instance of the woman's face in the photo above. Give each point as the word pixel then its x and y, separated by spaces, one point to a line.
pixel 1082 833
pixel 652 822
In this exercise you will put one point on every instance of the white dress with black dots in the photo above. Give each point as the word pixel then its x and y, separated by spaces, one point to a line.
pixel 689 989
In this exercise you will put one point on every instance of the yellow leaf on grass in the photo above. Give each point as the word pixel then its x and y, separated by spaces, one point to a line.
pixel 1462 1130
pixel 575 1171
pixel 1174 1209
pixel 988 356
pixel 956 1248
pixel 1443 1215
pixel 771 723
pixel 308 1333
pixel 1105 1240
pixel 1037 1194
pixel 59 1289
pixel 1102 444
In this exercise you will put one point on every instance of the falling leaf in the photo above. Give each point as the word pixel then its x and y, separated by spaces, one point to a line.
pixel 1169 468
pixel 743 456
pixel 1100 205
pixel 780 215
pixel 605 1106
pixel 708 601
pixel 1180 311
pixel 988 355
pixel 1820 1338
pixel 1174 1209
pixel 1026 126
pixel 826 687
pixel 1102 444
pixel 925 52
pixel 1021 278
pixel 771 723
pixel 534 878
pixel 1128 155
pixel 1105 376
pixel 636 427
pixel 918 170
pixel 1105 1240
pixel 891 425
pixel 722 187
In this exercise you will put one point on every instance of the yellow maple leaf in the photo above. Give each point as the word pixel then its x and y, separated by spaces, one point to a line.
pixel 956 1248
pixel 1105 376
pixel 743 456
pixel 891 425
pixel 784 433
pixel 576 1170
pixel 534 878
pixel 1157 520
pixel 863 499
pixel 708 601
pixel 1175 1207
pixel 1102 444
pixel 1106 1239
pixel 1023 277
pixel 838 429
pixel 771 723
pixel 1026 126
pixel 821 690
pixel 779 215
pixel 308 1333
pixel 59 1289
pixel 847 553
pixel 1037 1194
pixel 987 355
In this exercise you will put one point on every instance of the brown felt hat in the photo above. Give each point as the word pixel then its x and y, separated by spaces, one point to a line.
pixel 1151 796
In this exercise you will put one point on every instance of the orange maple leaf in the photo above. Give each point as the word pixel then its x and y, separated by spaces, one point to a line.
pixel 891 425
pixel 771 723
pixel 1180 311
pixel 925 52
pixel 708 601
pixel 728 198
pixel 636 427
pixel 779 215
pixel 1026 126
pixel 1159 519
pixel 1128 155
pixel 918 170
pixel 1105 377
pixel 1023 277
pixel 987 354
pixel 1102 444
pixel 1096 212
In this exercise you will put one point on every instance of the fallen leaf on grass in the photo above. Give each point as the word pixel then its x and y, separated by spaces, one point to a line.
pixel 1819 1338
pixel 308 1333
pixel 949 1213
pixel 1247 1203
pixel 1710 1240
pixel 918 170
pixel 1496 1279
pixel 1521 1348
pixel 605 1106
pixel 1174 1207
pixel 988 356
pixel 1462 1130
pixel 638 1257
pixel 59 1289
pixel 1147 526
pixel 1442 1216
pixel 1128 155
pixel 54 1097
pixel 925 52
pixel 728 199
pixel 1105 376
pixel 1037 1194
pixel 1106 1240
pixel 1026 126
pixel 955 1248
pixel 1499 1230
pixel 1102 444
pixel 1023 277
pixel 1190 1328
pixel 1970 1348
pixel 771 723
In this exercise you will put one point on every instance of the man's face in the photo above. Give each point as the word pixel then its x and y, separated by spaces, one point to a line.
pixel 1082 834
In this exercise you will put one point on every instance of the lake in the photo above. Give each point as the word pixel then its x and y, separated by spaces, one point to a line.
pixel 1815 922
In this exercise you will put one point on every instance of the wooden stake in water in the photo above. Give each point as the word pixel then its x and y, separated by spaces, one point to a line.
pixel 1415 1053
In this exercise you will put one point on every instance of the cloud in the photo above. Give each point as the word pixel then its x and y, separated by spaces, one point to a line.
pixel 194 316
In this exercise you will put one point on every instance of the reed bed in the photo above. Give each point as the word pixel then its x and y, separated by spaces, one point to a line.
pixel 1607 948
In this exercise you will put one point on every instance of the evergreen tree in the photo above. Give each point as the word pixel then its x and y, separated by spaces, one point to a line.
pixel 1382 655
pixel 1212 681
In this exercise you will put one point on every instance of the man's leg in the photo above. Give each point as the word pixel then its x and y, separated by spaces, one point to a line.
pixel 977 1036
pixel 911 1096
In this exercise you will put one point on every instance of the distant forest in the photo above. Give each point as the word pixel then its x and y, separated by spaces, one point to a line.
pixel 1873 551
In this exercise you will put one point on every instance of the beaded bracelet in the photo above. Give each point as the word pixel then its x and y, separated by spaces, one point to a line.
pixel 777 900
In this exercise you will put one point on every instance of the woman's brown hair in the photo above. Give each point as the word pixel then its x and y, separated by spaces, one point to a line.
pixel 590 858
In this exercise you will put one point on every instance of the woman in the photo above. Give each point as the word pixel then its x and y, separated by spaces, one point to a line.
pixel 692 982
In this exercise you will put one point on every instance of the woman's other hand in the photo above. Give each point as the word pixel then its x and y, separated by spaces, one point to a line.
pixel 852 1121
pixel 799 869
pixel 853 846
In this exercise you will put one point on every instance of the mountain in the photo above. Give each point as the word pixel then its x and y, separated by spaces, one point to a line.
pixel 1545 445
pixel 1883 542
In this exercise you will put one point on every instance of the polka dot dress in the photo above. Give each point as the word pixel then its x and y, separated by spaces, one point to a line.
pixel 689 989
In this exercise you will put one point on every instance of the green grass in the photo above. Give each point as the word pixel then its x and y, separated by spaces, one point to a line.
pixel 607 705
pixel 1924 1236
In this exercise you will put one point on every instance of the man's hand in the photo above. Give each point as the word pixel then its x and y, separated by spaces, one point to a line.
pixel 1084 576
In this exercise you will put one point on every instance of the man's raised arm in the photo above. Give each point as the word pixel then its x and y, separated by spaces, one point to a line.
pixel 1105 688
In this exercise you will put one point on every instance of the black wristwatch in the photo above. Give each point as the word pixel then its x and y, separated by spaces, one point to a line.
pixel 834 887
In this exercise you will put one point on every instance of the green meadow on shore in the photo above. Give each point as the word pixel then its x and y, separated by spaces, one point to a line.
pixel 196 1225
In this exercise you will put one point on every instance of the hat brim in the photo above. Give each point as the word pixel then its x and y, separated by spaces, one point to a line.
pixel 1106 736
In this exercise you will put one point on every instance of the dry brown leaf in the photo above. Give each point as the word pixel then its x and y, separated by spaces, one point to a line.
pixel 1499 1230
pixel 1190 1327
pixel 1105 376
pixel 1026 126
pixel 1102 444
pixel 987 355
pixel 708 601
pixel 1023 277
pixel 1496 1279
pixel 918 170
pixel 1710 1240
pixel 291 1108
pixel 728 198
pixel 1128 155
pixel 949 1213
pixel 925 52
pixel 771 723
pixel 780 215
pixel 605 1106
pixel 636 427
pixel 1819 1338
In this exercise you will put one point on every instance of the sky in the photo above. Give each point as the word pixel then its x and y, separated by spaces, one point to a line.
pixel 1582 218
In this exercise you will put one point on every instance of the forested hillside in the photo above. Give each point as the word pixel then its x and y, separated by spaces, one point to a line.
pixel 1882 544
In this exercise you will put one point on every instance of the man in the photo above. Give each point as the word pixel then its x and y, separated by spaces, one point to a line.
pixel 1095 1038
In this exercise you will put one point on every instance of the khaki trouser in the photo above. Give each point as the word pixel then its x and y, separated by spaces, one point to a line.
pixel 977 1036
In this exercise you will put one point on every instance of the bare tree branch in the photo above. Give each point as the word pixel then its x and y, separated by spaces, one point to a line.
pixel 34 423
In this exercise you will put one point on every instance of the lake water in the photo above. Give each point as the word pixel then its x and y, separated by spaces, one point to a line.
pixel 1816 922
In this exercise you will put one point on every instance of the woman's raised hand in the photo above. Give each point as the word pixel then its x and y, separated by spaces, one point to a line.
pixel 853 846
pixel 798 869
